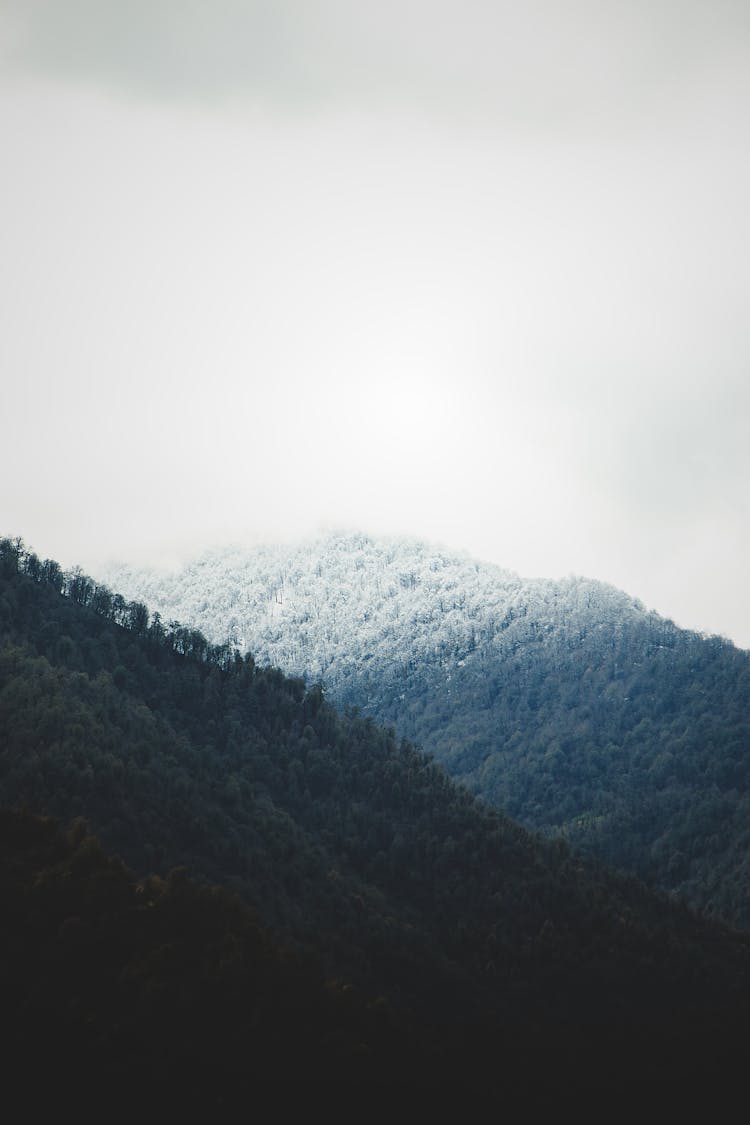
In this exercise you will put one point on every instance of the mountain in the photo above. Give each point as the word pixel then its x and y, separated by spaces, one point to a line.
pixel 564 703
pixel 473 952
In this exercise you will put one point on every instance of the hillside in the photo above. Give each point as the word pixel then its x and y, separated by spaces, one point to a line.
pixel 501 959
pixel 563 703
pixel 163 995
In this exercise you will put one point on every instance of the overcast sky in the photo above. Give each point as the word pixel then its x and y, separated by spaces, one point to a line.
pixel 473 271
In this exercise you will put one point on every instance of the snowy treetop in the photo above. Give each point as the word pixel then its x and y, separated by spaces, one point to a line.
pixel 323 606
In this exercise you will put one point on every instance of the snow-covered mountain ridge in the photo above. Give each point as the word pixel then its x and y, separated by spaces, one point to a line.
pixel 326 607
pixel 565 702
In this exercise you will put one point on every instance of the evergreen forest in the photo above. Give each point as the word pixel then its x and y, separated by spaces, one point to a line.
pixel 215 880
pixel 565 704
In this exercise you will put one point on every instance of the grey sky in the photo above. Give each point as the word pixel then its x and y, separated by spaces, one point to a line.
pixel 473 271
pixel 541 59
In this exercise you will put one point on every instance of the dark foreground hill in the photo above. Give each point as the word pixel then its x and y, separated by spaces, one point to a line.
pixel 566 704
pixel 157 994
pixel 470 950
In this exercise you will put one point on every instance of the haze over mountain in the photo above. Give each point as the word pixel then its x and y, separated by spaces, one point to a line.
pixel 566 703
pixel 473 271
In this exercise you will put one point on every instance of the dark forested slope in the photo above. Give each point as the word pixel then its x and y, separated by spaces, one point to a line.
pixel 564 703
pixel 159 995
pixel 523 965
